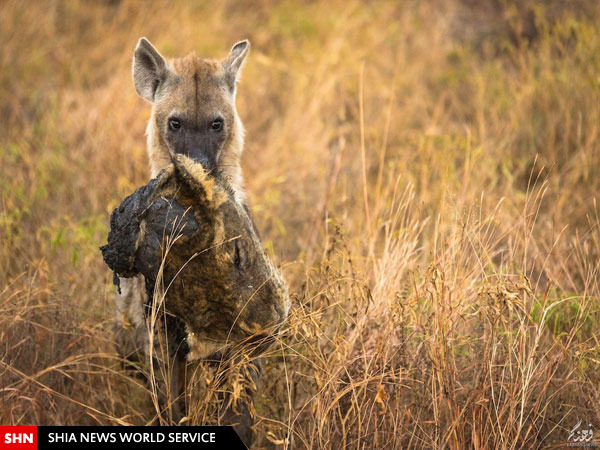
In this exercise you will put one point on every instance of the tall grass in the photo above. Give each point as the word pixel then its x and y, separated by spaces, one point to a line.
pixel 425 173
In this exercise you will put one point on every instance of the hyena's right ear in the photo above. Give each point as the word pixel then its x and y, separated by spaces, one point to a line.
pixel 149 69
pixel 234 62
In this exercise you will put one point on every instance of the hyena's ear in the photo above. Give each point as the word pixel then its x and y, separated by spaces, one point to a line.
pixel 149 69
pixel 234 62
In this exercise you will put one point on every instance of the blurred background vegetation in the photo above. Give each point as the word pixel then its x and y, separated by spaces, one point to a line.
pixel 425 173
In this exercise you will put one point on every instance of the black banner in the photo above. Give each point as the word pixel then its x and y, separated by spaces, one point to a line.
pixel 137 437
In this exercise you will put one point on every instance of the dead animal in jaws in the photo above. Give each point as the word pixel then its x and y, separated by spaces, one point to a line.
pixel 186 230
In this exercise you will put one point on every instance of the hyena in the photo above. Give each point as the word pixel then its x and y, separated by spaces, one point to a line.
pixel 193 114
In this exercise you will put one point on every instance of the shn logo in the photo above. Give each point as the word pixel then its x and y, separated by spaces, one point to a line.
pixel 580 437
pixel 18 438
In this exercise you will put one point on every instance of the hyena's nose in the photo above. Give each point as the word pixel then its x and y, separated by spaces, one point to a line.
pixel 200 157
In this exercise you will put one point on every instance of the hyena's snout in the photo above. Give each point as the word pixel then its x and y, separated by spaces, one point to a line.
pixel 202 146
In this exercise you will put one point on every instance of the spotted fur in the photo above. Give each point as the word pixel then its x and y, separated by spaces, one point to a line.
pixel 197 90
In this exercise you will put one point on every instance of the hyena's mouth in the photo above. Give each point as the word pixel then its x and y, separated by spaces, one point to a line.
pixel 206 158
pixel 199 146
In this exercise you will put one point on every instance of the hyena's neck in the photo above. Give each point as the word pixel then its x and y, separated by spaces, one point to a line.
pixel 229 161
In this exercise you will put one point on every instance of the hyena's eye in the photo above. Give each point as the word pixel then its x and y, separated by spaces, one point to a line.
pixel 174 124
pixel 217 124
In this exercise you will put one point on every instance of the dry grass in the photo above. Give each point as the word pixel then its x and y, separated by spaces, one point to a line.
pixel 425 173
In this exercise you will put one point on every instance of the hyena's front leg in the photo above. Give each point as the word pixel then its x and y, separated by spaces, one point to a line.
pixel 157 355
pixel 238 401
pixel 130 334
pixel 166 370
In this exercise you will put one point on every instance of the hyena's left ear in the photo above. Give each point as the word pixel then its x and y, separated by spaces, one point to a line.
pixel 234 62
pixel 149 70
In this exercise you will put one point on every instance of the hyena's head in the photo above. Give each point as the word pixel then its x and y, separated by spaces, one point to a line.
pixel 193 108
